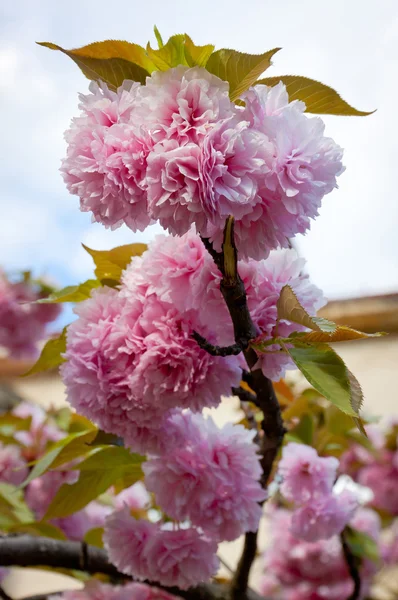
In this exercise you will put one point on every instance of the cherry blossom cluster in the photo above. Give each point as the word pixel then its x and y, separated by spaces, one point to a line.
pixel 134 368
pixel 131 359
pixel 176 150
pixel 301 570
pixel 376 468
pixel 307 482
pixel 208 483
pixel 94 590
pixel 23 324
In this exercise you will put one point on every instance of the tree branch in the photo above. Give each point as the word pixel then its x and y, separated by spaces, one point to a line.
pixel 232 350
pixel 31 551
pixel 234 293
pixel 352 566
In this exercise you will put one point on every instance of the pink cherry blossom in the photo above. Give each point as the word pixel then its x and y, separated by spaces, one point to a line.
pixel 305 167
pixel 305 474
pixel 23 324
pixel 173 268
pixel 13 468
pixel 173 186
pixel 324 516
pixel 126 540
pixel 94 590
pixel 210 476
pixel 183 103
pixel 182 558
pixel 131 359
pixel 367 521
pixel 106 158
pixel 382 478
pixel 299 570
pixel 134 497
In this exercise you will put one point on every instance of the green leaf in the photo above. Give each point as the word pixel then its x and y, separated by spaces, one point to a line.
pixel 72 498
pixel 158 37
pixel 172 54
pixel 110 263
pixel 328 374
pixel 337 422
pixel 93 537
pixel 304 431
pixel 319 98
pixel 106 439
pixel 103 468
pixel 40 529
pixel 111 61
pixel 361 544
pixel 10 421
pixel 290 309
pixel 51 355
pixel 197 55
pixel 13 506
pixel 239 69
pixel 112 457
pixel 72 293
pixel 65 450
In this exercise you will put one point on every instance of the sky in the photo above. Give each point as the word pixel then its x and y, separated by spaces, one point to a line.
pixel 351 45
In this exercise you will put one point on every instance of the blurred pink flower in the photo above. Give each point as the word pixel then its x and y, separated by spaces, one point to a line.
pixel 94 590
pixel 23 324
pixel 306 475
pixel 13 468
pixel 324 516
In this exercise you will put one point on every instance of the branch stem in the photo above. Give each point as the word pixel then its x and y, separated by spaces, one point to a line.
pixel 234 293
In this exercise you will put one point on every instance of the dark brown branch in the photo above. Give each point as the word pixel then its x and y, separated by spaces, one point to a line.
pixel 31 551
pixel 244 395
pixel 352 566
pixel 232 350
pixel 234 293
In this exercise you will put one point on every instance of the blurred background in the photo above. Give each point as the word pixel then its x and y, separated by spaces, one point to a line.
pixel 351 250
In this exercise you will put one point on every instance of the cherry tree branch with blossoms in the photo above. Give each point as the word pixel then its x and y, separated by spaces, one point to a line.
pixel 234 293
pixel 31 551
pixel 229 164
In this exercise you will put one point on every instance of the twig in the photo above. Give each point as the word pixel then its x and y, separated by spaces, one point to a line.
pixel 32 551
pixel 232 350
pixel 234 293
pixel 244 395
pixel 352 566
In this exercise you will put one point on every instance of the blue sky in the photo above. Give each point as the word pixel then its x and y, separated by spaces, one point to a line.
pixel 351 248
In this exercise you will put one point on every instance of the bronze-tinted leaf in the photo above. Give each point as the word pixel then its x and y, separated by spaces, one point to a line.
pixel 241 70
pixel 290 309
pixel 110 263
pixel 319 98
pixel 171 54
pixel 111 61
pixel 197 55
